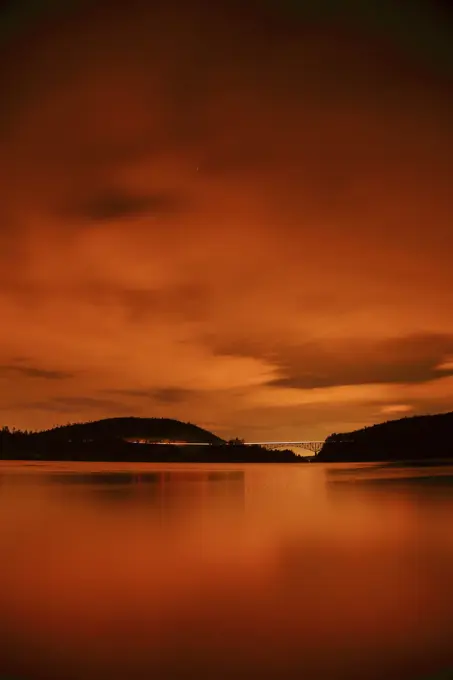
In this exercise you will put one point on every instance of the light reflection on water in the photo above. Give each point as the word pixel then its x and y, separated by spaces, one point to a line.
pixel 268 571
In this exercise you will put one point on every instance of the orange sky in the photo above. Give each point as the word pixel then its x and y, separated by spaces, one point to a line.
pixel 241 219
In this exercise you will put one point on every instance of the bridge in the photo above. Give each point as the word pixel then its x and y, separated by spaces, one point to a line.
pixel 314 446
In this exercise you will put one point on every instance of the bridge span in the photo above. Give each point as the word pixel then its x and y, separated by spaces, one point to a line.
pixel 314 446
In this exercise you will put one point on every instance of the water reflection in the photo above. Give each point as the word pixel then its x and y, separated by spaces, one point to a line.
pixel 264 571
pixel 429 482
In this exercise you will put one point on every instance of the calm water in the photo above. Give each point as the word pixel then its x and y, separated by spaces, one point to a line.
pixel 267 571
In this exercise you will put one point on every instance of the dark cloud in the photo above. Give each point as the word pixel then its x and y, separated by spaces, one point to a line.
pixel 74 404
pixel 86 402
pixel 128 393
pixel 166 395
pixel 410 359
pixel 172 395
pixel 33 372
pixel 117 204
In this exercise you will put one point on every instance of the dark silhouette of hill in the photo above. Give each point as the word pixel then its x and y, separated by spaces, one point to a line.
pixel 410 438
pixel 114 439
pixel 158 429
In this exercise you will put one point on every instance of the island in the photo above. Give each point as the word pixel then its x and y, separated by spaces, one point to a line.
pixel 425 437
pixel 135 439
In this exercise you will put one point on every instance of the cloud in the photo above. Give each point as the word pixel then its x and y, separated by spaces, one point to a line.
pixel 77 405
pixel 173 395
pixel 33 372
pixel 397 408
pixel 339 362
pixel 187 301
pixel 446 365
pixel 164 395
pixel 225 215
pixel 117 204
pixel 84 402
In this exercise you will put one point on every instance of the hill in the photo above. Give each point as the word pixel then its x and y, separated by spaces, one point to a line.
pixel 156 429
pixel 414 438
pixel 115 439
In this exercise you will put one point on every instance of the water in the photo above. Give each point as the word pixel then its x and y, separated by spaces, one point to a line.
pixel 267 571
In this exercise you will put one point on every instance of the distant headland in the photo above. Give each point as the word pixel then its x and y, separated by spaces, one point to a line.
pixel 156 440
pixel 427 437
pixel 134 440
